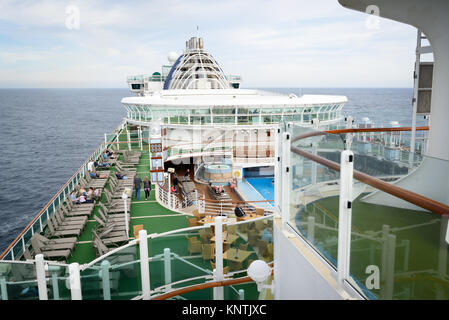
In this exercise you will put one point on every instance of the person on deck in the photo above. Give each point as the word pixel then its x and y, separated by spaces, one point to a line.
pixel 119 176
pixel 238 211
pixel 187 175
pixel 137 186
pixel 146 187
pixel 175 182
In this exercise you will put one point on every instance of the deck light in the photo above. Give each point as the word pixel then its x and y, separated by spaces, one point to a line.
pixel 259 271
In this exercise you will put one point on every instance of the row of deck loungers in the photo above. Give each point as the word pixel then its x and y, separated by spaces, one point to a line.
pixel 66 224
pixel 111 229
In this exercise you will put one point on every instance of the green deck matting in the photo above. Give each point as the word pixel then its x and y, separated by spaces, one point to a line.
pixel 418 256
pixel 155 219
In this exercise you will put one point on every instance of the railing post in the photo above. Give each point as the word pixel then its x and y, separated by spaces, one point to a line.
pixel 219 293
pixel 40 277
pixel 277 169
pixel 286 174
pixel 311 228
pixel 241 294
pixel 144 267
pixel 167 268
pixel 3 288
pixel 344 215
pixel 348 137
pixel 54 281
pixel 104 274
pixel 128 136
pixel 388 285
pixel 75 281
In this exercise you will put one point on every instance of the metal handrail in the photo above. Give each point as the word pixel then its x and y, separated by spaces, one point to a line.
pixel 409 196
pixel 355 130
pixel 81 169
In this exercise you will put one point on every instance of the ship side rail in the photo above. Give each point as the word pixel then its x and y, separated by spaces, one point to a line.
pixel 152 266
pixel 16 249
pixel 370 218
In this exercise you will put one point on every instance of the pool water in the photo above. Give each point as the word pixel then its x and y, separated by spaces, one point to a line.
pixel 264 186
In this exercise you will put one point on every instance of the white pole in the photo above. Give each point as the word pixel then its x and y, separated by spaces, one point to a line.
pixel 286 174
pixel 140 138
pixel 144 266
pixel 54 281
pixel 169 190
pixel 75 281
pixel 311 228
pixel 389 277
pixel 277 169
pixel 3 288
pixel 219 256
pixel 344 215
pixel 241 294
pixel 105 265
pixel 415 99
pixel 105 138
pixel 40 276
pixel 167 268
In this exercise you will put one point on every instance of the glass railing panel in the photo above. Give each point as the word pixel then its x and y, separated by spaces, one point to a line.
pixel 245 242
pixel 398 250
pixel 124 280
pixel 312 184
pixel 184 255
pixel 58 281
pixel 18 281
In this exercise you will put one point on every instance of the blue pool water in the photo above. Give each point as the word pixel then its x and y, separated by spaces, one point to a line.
pixel 264 186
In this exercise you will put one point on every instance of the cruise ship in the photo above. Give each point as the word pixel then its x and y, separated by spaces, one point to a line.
pixel 210 191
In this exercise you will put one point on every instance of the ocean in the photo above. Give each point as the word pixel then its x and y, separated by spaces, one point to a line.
pixel 46 134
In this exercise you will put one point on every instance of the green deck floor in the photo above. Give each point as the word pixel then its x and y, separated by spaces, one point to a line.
pixel 155 219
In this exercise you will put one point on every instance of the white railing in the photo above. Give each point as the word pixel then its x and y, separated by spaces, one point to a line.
pixel 19 245
pixel 43 272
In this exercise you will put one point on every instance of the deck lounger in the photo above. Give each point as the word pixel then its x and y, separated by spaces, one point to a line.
pixel 114 226
pixel 45 240
pixel 54 232
pixel 47 244
pixel 67 218
pixel 39 249
pixel 112 218
pixel 74 213
pixel 81 206
pixel 65 222
pixel 125 167
pixel 115 241
pixel 94 183
pixel 61 227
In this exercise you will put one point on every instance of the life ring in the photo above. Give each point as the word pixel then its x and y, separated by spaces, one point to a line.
pixel 236 173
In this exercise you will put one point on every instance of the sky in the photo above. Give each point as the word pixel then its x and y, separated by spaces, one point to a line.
pixel 282 43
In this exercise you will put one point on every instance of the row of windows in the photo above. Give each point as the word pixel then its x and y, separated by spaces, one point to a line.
pixel 218 110
pixel 259 119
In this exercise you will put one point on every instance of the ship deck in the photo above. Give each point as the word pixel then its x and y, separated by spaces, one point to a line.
pixel 156 218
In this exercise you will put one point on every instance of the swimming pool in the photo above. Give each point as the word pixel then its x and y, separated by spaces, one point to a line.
pixel 264 186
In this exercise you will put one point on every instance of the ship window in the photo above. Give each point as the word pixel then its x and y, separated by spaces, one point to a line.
pixel 266 119
pixel 242 120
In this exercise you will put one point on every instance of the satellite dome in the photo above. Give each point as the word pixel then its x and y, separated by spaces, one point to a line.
pixel 172 56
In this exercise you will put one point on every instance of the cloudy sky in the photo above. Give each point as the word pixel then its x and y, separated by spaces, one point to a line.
pixel 279 43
